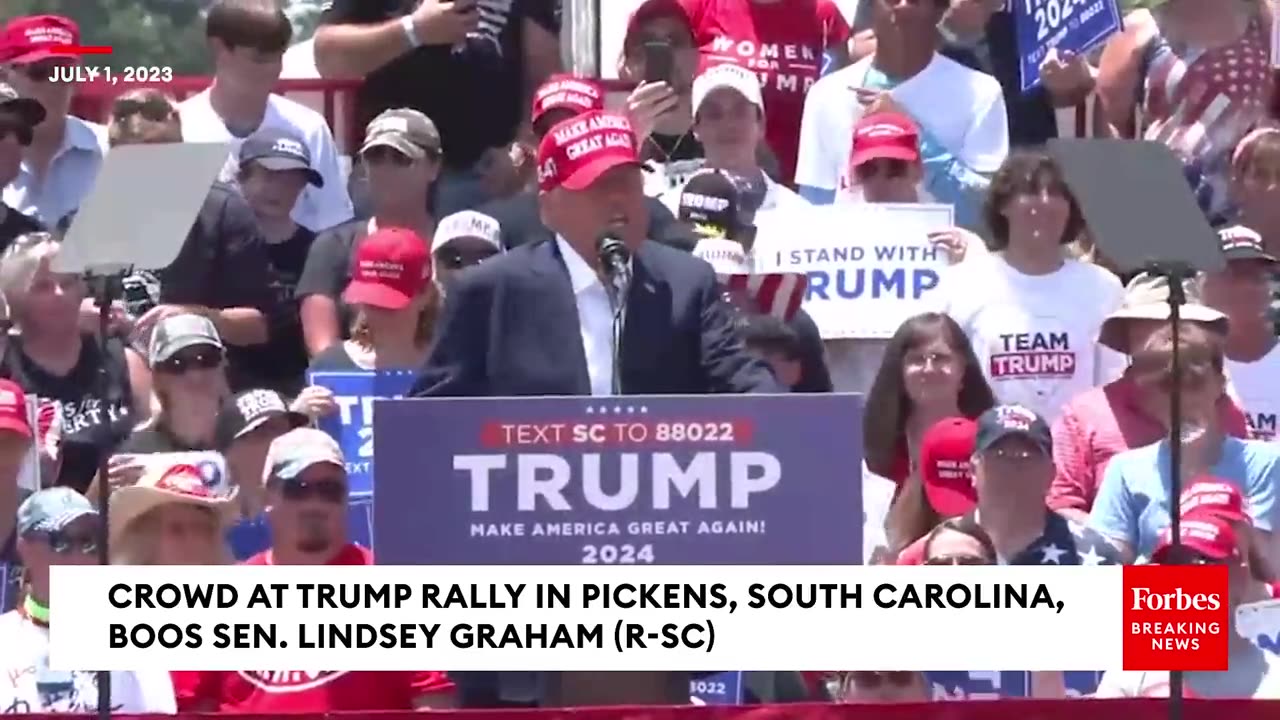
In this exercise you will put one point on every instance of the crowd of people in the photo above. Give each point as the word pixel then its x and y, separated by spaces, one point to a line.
pixel 1021 417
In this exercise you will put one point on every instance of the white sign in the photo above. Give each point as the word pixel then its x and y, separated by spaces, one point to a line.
pixel 870 266
pixel 1260 623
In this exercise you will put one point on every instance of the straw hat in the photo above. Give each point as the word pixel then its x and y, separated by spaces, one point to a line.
pixel 165 483
pixel 1146 297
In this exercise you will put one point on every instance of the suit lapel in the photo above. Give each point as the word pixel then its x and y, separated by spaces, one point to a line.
pixel 556 312
pixel 645 326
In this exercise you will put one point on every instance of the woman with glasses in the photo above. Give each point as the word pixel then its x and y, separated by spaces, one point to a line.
pixel 395 306
pixel 58 526
pixel 190 384
pixel 462 240
pixel 54 360
pixel 929 373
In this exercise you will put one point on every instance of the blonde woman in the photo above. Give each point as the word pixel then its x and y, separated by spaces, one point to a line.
pixel 52 358
pixel 188 363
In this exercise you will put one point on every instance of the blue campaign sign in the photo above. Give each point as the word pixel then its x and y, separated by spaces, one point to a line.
pixel 723 688
pixel 695 480
pixel 1077 26
pixel 1009 684
pixel 352 427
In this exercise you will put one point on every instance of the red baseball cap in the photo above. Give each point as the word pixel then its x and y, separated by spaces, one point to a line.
pixel 13 409
pixel 888 135
pixel 1203 532
pixel 393 265
pixel 946 469
pixel 1215 496
pixel 576 152
pixel 567 92
pixel 37 37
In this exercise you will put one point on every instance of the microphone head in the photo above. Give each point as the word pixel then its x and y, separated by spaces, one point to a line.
pixel 609 244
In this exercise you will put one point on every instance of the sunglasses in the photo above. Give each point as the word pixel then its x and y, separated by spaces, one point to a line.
pixel 457 259
pixel 155 109
pixel 204 359
pixel 329 490
pixel 70 543
pixel 888 167
pixel 382 154
pixel 957 560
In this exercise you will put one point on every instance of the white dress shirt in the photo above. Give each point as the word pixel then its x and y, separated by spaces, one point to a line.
pixel 595 318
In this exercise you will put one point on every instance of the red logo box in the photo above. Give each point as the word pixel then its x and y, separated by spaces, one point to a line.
pixel 1176 617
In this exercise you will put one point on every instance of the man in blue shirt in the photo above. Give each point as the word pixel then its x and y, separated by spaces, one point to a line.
pixel 1132 505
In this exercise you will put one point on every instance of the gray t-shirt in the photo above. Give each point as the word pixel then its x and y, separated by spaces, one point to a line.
pixel 1254 674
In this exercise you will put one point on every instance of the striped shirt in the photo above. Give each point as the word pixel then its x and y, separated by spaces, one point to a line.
pixel 1098 424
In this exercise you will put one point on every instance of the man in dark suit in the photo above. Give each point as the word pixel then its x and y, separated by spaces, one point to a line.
pixel 538 320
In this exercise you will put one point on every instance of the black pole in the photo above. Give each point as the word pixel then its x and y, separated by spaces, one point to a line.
pixel 106 289
pixel 1175 274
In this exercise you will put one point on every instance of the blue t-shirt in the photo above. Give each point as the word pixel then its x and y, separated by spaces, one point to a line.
pixel 1132 505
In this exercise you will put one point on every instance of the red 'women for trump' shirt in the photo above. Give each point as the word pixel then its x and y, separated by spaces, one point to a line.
pixel 783 42
pixel 262 691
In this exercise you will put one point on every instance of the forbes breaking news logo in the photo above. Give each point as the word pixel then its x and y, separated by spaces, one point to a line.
pixel 1176 617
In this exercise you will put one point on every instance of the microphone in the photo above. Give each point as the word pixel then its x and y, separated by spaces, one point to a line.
pixel 614 258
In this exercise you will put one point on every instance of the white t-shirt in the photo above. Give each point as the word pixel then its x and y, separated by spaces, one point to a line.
pixel 960 108
pixel 24 650
pixel 1035 336
pixel 1255 385
pixel 318 208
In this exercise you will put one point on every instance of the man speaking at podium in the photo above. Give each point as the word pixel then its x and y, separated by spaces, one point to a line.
pixel 545 319
pixel 540 320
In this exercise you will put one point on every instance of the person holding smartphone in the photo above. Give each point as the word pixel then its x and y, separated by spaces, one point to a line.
pixel 469 65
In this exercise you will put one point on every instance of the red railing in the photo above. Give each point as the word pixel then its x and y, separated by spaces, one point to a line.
pixel 335 99
pixel 962 710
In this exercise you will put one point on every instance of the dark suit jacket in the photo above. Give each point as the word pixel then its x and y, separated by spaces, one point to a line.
pixel 510 328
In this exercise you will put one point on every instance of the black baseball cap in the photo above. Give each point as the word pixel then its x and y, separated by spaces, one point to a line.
pixel 1002 421
pixel 28 110
pixel 1239 243
pixel 711 203
pixel 248 411
pixel 276 149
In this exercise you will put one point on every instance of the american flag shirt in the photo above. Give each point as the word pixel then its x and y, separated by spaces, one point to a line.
pixel 1200 103
pixel 1065 542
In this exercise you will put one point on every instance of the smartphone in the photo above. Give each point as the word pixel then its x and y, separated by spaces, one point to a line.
pixel 659 57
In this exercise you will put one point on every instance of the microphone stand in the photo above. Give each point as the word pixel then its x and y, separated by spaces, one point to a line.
pixel 617 287
pixel 1174 274
pixel 108 286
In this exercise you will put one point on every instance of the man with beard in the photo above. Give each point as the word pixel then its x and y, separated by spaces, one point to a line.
pixel 306 496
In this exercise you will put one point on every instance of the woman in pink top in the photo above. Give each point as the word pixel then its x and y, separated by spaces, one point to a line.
pixel 1126 413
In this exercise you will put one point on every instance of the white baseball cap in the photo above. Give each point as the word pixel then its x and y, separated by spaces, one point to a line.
pixel 728 75
pixel 467 223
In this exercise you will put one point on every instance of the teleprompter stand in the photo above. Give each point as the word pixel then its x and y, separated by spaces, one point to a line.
pixel 143 204
pixel 1142 215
